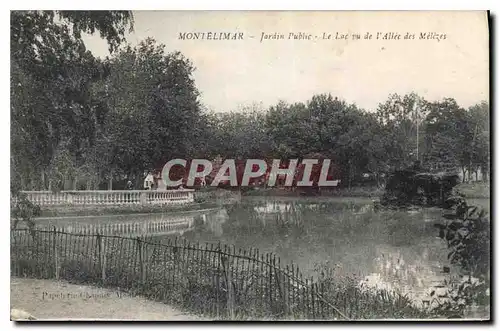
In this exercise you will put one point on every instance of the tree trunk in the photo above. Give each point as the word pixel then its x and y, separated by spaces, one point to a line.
pixel 349 176
pixel 23 182
pixel 138 179
pixel 43 180
pixel 32 183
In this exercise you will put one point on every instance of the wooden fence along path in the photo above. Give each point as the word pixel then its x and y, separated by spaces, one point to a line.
pixel 212 280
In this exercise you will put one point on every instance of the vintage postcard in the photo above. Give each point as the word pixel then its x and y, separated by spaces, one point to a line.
pixel 250 166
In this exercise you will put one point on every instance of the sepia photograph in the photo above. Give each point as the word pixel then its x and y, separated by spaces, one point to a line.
pixel 250 166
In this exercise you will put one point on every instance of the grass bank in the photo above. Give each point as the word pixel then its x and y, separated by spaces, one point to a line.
pixel 475 190
pixel 366 192
pixel 121 210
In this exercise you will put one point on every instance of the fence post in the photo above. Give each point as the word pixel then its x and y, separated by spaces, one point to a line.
pixel 54 247
pixel 141 259
pixel 270 280
pixel 230 291
pixel 103 258
pixel 145 247
pixel 217 278
pixel 99 250
pixel 313 306
pixel 284 293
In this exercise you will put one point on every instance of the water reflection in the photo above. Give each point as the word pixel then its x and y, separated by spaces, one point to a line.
pixel 390 249
pixel 393 250
pixel 155 224
pixel 415 275
pixel 213 221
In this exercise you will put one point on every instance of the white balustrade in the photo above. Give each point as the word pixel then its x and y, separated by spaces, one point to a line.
pixel 93 198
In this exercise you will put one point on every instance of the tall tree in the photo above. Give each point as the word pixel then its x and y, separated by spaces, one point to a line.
pixel 154 108
pixel 401 117
pixel 448 136
pixel 479 123
pixel 51 75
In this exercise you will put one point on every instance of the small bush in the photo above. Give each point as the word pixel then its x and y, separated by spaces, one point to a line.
pixel 466 231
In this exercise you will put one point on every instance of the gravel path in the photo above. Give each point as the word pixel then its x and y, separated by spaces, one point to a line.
pixel 55 300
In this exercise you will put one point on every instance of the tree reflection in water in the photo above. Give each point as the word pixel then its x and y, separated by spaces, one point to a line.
pixel 395 249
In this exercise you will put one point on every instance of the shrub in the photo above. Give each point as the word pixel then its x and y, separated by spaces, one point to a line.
pixel 467 234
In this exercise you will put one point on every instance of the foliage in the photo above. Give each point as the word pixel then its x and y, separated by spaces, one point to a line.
pixel 23 210
pixel 467 234
pixel 51 78
pixel 479 118
pixel 153 112
pixel 400 116
pixel 79 118
pixel 457 137
pixel 366 302
pixel 359 143
pixel 413 186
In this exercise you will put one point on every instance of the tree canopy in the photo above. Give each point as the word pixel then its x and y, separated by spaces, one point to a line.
pixel 92 121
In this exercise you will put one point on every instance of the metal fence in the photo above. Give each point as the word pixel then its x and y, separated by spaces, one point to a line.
pixel 212 280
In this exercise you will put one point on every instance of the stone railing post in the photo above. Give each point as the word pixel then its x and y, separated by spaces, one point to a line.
pixel 69 198
pixel 143 199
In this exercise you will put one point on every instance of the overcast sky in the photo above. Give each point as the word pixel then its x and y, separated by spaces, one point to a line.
pixel 234 73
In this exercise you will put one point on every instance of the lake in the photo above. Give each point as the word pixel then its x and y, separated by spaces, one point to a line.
pixel 395 250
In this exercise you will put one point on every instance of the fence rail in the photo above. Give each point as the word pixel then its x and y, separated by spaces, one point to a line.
pixel 131 197
pixel 212 280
